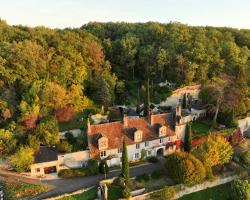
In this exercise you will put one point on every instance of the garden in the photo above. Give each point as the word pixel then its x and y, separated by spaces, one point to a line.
pixel 20 190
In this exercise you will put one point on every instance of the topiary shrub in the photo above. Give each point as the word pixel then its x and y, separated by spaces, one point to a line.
pixel 103 167
pixel 240 190
pixel 152 159
pixel 185 168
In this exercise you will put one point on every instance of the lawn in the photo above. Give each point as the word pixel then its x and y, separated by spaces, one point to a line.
pixel 88 195
pixel 200 128
pixel 75 123
pixel 221 192
pixel 20 190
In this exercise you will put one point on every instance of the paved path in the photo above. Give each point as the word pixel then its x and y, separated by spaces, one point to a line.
pixel 63 186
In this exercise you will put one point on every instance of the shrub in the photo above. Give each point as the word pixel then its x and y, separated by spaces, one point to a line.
pixel 103 167
pixel 156 174
pixel 245 158
pixel 93 166
pixel 166 193
pixel 143 154
pixel 240 190
pixel 64 147
pixel 68 173
pixel 152 159
pixel 143 177
pixel 185 168
pixel 70 138
pixel 22 159
pixel 126 192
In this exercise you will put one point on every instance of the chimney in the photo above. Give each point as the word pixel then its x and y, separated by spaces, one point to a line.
pixel 125 120
pixel 178 110
pixel 152 120
pixel 88 124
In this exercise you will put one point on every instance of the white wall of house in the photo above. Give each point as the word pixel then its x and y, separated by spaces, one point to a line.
pixel 38 168
pixel 244 124
pixel 180 131
pixel 73 160
pixel 134 153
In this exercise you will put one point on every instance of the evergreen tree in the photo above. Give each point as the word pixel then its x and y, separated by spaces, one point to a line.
pixel 184 101
pixel 125 164
pixel 188 139
pixel 147 100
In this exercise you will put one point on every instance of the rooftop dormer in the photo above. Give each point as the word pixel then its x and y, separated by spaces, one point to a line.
pixel 162 131
pixel 138 136
pixel 103 143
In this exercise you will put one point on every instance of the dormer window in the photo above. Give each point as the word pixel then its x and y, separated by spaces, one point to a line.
pixel 103 143
pixel 162 131
pixel 138 136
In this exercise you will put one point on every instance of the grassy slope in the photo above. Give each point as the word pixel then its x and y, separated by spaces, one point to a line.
pixel 88 195
pixel 221 192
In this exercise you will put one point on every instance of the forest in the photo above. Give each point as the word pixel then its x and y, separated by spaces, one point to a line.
pixel 47 76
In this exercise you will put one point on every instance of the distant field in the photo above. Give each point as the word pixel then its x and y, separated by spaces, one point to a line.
pixel 221 192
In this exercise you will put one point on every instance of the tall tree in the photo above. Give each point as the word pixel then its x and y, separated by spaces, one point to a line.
pixel 125 163
pixel 188 138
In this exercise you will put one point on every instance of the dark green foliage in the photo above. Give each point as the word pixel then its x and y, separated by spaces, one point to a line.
pixel 152 159
pixel 63 147
pixel 125 163
pixel 70 138
pixel 143 177
pixel 156 174
pixel 93 166
pixel 245 158
pixel 240 189
pixel 184 101
pixel 143 154
pixel 167 193
pixel 103 167
pixel 185 168
pixel 188 138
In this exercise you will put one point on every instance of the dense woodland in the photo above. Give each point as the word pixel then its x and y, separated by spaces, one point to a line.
pixel 49 75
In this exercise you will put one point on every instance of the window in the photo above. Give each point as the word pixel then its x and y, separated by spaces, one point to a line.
pixel 149 153
pixel 103 153
pixel 146 143
pixel 119 150
pixel 137 146
pixel 161 141
pixel 137 155
pixel 37 170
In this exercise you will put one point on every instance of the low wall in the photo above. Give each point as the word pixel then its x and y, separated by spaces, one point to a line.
pixel 188 190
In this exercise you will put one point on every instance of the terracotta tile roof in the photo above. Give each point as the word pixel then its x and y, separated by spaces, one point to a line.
pixel 114 131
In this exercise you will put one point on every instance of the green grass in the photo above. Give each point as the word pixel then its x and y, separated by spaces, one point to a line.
pixel 75 123
pixel 88 195
pixel 221 192
pixel 20 190
pixel 200 128
pixel 114 192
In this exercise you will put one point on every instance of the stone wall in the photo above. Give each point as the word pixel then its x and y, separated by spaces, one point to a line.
pixel 188 190
pixel 173 100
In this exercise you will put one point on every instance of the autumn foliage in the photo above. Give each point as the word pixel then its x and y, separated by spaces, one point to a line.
pixel 64 114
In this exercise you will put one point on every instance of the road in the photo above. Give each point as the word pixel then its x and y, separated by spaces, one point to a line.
pixel 63 186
